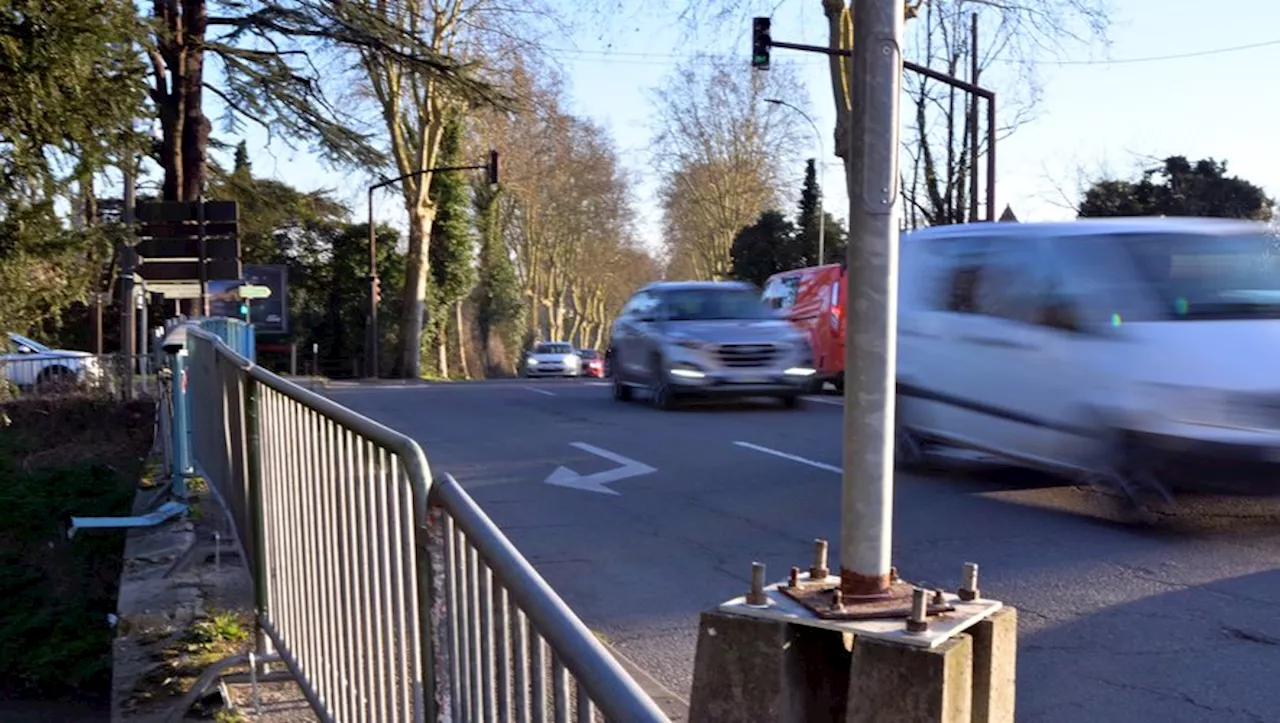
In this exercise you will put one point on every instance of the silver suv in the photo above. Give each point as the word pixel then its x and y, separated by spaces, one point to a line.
pixel 706 339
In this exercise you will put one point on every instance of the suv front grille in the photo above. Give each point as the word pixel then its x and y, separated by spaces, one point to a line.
pixel 745 356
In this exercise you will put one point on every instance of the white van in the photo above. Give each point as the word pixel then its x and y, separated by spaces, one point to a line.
pixel 1123 350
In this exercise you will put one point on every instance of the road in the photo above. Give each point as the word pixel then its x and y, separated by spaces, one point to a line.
pixel 1176 623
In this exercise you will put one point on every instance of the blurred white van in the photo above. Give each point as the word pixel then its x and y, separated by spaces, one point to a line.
pixel 1141 353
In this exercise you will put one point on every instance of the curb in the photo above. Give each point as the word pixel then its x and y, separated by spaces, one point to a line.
pixel 675 707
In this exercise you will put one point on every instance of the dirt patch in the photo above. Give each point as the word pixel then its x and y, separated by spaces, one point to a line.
pixel 60 458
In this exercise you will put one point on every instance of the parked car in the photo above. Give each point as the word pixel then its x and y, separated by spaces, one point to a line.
pixel 1138 353
pixel 28 364
pixel 592 363
pixel 706 339
pixel 552 359
pixel 813 299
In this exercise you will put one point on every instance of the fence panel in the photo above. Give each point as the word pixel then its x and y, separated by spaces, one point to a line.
pixel 389 596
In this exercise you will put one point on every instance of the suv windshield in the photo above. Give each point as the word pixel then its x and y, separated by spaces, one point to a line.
pixel 715 304
pixel 553 349
pixel 1208 276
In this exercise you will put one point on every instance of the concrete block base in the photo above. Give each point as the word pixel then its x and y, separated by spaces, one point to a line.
pixel 905 684
pixel 995 667
pixel 758 669
pixel 748 670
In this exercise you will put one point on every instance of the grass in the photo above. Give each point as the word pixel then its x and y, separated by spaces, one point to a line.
pixel 217 635
pixel 60 458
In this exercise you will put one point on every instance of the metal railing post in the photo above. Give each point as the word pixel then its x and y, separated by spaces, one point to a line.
pixel 181 424
pixel 257 520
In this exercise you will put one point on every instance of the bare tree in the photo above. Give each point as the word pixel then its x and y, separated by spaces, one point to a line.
pixel 567 206
pixel 720 150
pixel 938 181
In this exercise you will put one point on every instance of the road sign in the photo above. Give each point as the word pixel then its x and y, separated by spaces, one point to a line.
pixel 252 291
pixel 188 242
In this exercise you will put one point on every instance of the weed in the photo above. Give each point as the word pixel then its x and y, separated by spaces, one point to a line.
pixel 229 716
pixel 219 628
pixel 197 484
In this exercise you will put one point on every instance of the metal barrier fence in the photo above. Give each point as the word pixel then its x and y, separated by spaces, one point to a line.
pixel 55 374
pixel 390 596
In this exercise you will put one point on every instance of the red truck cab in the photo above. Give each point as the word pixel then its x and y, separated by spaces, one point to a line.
pixel 813 299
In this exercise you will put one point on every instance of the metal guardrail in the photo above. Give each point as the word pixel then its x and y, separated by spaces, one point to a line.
pixel 390 596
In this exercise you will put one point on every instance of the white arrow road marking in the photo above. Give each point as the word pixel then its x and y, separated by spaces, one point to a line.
pixel 791 457
pixel 565 477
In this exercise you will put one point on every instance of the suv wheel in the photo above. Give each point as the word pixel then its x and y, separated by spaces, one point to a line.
pixel 793 401
pixel 661 395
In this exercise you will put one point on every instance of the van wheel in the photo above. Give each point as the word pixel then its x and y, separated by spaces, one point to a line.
pixel 793 401
pixel 621 392
pixel 1131 480
pixel 909 451
pixel 839 382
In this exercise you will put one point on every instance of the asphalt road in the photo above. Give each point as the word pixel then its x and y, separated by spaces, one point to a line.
pixel 1175 623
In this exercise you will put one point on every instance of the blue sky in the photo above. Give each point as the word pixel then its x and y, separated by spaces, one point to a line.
pixel 1096 116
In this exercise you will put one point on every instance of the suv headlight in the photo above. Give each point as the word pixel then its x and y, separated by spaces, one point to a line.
pixel 688 343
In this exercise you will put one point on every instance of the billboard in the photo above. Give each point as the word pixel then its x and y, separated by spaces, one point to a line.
pixel 270 315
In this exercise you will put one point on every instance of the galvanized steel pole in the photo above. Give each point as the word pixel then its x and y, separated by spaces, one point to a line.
pixel 866 519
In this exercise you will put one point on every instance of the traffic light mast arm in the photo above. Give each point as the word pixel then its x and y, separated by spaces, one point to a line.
pixel 907 64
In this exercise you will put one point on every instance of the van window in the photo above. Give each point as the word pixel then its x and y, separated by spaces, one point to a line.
pixel 1185 275
pixel 781 292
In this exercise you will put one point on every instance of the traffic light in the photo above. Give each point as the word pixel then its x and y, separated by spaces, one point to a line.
pixel 760 42
pixel 377 290
pixel 491 170
pixel 244 310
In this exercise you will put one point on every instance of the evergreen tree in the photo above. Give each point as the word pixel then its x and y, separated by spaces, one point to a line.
pixel 807 221
pixel 452 249
pixel 499 301
pixel 766 247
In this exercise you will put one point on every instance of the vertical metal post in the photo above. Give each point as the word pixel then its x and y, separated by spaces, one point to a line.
pixel 866 519
pixel 253 439
pixel 128 344
pixel 991 157
pixel 97 322
pixel 181 422
pixel 371 363
pixel 144 330
pixel 293 359
pixel 973 121
pixel 204 258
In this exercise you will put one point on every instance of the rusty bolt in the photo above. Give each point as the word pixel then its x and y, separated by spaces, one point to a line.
pixel 756 595
pixel 939 598
pixel 918 622
pixel 819 570
pixel 795 577
pixel 837 599
pixel 969 588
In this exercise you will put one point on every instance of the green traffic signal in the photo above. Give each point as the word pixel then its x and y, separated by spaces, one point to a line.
pixel 760 43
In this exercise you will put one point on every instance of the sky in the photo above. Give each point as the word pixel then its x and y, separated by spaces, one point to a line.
pixel 1179 78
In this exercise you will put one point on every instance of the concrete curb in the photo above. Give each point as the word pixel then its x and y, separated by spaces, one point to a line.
pixel 676 708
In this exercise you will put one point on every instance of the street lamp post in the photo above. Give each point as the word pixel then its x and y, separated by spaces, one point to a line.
pixel 818 164
pixel 371 350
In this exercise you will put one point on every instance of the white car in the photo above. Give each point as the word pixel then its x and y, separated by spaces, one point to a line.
pixel 552 359
pixel 1138 354
pixel 28 364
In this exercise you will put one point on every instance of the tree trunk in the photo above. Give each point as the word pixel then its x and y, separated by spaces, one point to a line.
pixel 442 351
pixel 462 343
pixel 414 315
pixel 195 126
